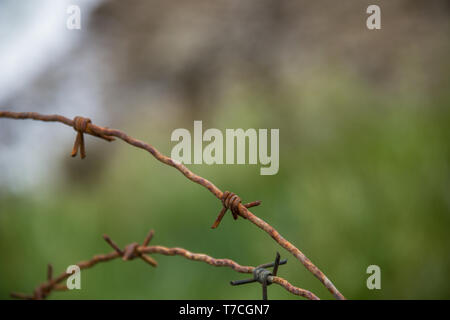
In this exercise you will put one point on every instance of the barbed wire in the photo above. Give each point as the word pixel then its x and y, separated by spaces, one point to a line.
pixel 135 250
pixel 229 200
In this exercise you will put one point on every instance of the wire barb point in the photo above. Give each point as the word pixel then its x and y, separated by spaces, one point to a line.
pixel 109 134
pixel 262 275
pixel 232 201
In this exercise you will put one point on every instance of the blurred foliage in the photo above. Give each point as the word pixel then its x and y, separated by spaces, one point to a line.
pixel 364 179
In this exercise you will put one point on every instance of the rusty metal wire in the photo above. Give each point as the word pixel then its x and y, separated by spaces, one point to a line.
pixel 229 200
pixel 135 250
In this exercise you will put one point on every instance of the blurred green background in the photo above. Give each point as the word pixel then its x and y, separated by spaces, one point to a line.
pixel 364 176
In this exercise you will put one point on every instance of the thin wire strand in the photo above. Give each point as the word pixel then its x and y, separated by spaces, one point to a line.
pixel 55 284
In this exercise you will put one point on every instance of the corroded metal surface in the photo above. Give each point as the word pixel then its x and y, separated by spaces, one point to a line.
pixel 293 289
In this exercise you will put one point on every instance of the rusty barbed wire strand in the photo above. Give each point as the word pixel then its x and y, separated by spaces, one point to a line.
pixel 237 209
pixel 134 250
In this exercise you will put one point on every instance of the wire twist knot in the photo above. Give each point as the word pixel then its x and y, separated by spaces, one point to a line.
pixel 232 201
pixel 82 125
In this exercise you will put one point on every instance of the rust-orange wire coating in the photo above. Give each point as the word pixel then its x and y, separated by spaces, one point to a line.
pixel 134 250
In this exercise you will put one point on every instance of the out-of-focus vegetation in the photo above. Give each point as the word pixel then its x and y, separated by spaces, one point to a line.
pixel 364 179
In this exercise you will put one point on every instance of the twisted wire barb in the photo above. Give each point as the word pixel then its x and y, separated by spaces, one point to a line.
pixel 262 275
pixel 237 209
pixel 232 201
pixel 134 250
